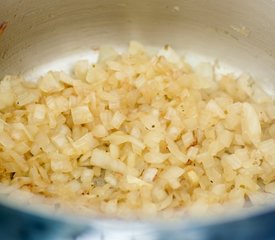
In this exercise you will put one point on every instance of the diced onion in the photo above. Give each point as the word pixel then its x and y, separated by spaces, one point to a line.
pixel 138 134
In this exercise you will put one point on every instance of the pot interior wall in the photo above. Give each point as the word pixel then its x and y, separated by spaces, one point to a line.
pixel 52 34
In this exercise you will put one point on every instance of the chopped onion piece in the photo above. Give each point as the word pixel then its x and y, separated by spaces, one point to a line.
pixel 102 159
pixel 156 157
pixel 60 163
pixel 213 107
pixel 117 119
pixel 85 143
pixel 149 174
pixel 137 181
pixel 81 115
pixel 174 149
pixel 119 138
pixel 251 126
pixel 50 84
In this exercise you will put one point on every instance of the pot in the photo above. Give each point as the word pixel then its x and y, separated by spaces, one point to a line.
pixel 36 36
